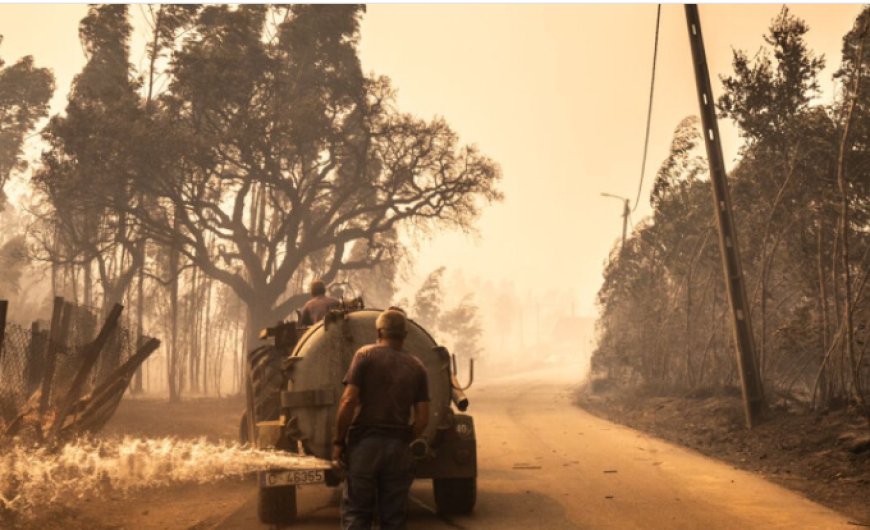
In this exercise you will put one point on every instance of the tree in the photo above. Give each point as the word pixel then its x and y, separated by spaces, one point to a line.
pixel 462 324
pixel 281 155
pixel 770 103
pixel 13 260
pixel 855 49
pixel 429 299
pixel 166 22
pixel 98 150
pixel 88 168
pixel 763 97
pixel 24 94
pixel 377 285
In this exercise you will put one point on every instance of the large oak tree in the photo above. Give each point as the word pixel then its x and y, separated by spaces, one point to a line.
pixel 274 159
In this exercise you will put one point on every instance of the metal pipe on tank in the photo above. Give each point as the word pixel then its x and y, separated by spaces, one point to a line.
pixel 457 394
pixel 457 391
pixel 453 379
pixel 458 398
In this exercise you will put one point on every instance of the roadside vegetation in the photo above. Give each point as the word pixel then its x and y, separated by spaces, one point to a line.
pixel 665 361
pixel 801 193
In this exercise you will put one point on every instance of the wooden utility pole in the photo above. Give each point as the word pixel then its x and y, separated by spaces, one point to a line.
pixel 752 389
pixel 626 211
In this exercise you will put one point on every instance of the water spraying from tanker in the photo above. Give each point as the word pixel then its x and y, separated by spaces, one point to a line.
pixel 32 478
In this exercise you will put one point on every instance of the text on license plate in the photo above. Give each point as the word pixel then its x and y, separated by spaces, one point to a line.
pixel 290 477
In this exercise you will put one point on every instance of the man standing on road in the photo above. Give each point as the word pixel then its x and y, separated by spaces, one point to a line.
pixel 318 306
pixel 373 428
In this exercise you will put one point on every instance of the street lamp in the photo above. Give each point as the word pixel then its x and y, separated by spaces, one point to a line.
pixel 626 210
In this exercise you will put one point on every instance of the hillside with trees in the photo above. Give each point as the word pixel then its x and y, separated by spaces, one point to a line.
pixel 801 194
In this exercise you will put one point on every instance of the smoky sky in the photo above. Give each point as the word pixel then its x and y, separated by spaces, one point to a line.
pixel 557 94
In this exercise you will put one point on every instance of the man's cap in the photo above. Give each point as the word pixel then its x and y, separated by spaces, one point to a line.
pixel 391 323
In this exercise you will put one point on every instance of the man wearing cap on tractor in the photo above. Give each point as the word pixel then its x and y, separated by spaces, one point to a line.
pixel 318 306
pixel 374 427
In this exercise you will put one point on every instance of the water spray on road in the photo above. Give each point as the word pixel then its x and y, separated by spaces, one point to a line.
pixel 32 478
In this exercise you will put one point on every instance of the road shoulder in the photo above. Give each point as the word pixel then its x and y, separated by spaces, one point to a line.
pixel 819 456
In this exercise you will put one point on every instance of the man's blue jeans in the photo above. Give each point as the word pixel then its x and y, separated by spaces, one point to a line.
pixel 379 477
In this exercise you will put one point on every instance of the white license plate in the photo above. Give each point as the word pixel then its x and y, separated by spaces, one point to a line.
pixel 290 477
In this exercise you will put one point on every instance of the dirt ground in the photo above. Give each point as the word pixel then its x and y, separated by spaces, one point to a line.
pixel 825 456
pixel 191 506
pixel 214 418
pixel 819 455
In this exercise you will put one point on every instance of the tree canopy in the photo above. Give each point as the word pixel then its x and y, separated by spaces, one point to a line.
pixel 24 94
pixel 268 159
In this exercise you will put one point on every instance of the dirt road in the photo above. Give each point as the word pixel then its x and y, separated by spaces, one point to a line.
pixel 545 464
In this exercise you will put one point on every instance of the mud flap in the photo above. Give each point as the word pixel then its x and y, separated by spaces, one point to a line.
pixel 454 452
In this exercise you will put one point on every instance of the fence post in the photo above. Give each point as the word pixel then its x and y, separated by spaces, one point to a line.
pixel 57 336
pixel 89 359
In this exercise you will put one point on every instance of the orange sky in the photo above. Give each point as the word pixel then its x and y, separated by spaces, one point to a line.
pixel 556 94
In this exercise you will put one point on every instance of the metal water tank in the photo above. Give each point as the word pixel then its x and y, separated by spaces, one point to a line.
pixel 321 358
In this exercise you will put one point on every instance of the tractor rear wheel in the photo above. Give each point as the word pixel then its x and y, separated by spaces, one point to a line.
pixel 267 381
pixel 244 438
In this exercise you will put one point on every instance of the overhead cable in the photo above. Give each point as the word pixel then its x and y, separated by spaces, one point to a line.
pixel 652 85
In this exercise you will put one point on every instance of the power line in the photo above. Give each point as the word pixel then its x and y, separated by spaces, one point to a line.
pixel 652 85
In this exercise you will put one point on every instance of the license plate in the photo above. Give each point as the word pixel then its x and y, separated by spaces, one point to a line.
pixel 291 477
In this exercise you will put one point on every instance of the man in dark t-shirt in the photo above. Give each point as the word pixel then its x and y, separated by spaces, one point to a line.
pixel 318 306
pixel 374 425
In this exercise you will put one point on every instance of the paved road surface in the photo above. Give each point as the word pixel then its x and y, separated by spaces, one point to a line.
pixel 546 464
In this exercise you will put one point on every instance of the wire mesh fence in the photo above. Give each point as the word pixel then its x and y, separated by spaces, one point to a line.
pixel 24 359
pixel 16 370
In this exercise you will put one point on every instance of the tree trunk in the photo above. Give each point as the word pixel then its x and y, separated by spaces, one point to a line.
pixel 140 326
pixel 849 346
pixel 71 280
pixel 259 316
pixel 88 288
pixel 207 346
pixel 193 335
pixel 172 364
pixel 824 383
pixel 237 345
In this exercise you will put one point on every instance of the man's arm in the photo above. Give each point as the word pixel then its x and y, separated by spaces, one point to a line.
pixel 346 408
pixel 421 418
pixel 352 381
pixel 421 402
pixel 305 317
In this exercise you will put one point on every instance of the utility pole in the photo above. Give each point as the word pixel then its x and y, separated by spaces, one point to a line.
pixel 626 210
pixel 752 389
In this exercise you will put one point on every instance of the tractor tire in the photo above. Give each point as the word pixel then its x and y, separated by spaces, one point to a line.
pixel 455 496
pixel 244 437
pixel 277 505
pixel 267 380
